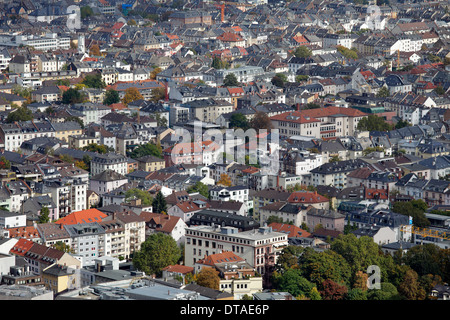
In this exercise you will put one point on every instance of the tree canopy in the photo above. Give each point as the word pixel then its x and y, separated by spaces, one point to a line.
pixel 157 252
pixel 373 123
pixel 146 150
pixel 111 97
pixel 20 114
pixel 230 80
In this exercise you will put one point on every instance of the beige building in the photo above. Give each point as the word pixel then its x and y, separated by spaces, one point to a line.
pixel 134 230
pixel 321 123
pixel 208 110
pixel 65 129
pixel 81 141
pixel 150 163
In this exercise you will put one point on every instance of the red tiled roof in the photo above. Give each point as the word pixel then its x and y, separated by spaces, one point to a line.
pixel 306 197
pixel 223 257
pixel 294 116
pixel 292 230
pixel 21 247
pixel 23 232
pixel 230 37
pixel 179 269
pixel 84 216
pixel 381 194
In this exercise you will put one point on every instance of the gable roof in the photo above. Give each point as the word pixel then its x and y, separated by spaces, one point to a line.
pixel 84 216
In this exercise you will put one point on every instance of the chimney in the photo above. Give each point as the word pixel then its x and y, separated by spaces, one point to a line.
pixel 298 106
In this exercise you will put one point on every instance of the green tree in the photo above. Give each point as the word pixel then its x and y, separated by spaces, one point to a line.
pixel 160 120
pixel 72 96
pixel 360 253
pixel 289 258
pixel 278 81
pixel 273 219
pixel 347 53
pixel 356 294
pixel 94 147
pixel 159 203
pixel 209 278
pixel 383 92
pixel 414 208
pixel 439 90
pixel 158 251
pixel 86 12
pixel 135 193
pixel 293 282
pixel 373 123
pixel 302 52
pixel 218 63
pixel 320 266
pixel 111 97
pixel 158 94
pixel 238 121
pixel 387 291
pixel 94 81
pixel 301 78
pixel 424 259
pixel 4 163
pixel 401 124
pixel 199 187
pixel 20 114
pixel 145 150
pixel 230 80
pixel 44 216
pixel 61 246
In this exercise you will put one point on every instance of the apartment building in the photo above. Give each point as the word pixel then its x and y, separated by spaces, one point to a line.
pixel 259 248
pixel 321 123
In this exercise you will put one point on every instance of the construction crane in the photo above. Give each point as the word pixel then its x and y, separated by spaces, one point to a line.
pixel 426 232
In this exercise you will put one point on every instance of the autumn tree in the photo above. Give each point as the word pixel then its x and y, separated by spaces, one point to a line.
pixel 333 291
pixel 410 288
pixel 94 50
pixel 154 72
pixel 224 180
pixel 261 121
pixel 209 278
pixel 158 94
pixel 131 94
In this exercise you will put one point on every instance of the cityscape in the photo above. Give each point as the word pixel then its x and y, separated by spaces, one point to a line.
pixel 234 151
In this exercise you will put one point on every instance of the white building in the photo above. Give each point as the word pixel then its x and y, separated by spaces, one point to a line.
pixel 250 245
